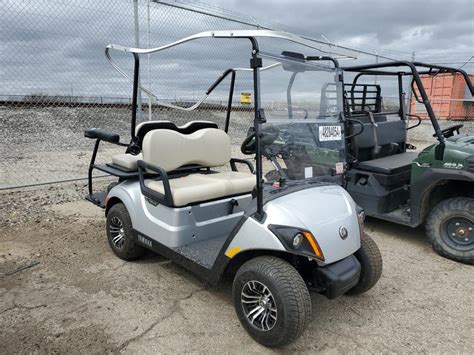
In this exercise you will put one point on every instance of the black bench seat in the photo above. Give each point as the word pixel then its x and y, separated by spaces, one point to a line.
pixel 392 164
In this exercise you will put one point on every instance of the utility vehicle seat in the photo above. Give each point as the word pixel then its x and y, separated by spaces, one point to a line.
pixel 392 164
pixel 207 147
pixel 129 161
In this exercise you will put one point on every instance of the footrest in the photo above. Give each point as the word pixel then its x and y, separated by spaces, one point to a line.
pixel 97 198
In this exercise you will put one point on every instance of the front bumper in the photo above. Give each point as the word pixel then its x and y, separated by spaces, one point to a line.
pixel 339 277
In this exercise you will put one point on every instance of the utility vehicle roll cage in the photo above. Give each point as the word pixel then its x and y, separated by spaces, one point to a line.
pixel 374 69
pixel 255 67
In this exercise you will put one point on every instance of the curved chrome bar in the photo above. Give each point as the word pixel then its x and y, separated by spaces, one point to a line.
pixel 314 44
pixel 321 46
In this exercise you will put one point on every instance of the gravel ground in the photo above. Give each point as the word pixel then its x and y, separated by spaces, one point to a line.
pixel 77 297
pixel 74 295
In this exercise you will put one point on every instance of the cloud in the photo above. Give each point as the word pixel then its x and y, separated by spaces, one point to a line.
pixel 57 47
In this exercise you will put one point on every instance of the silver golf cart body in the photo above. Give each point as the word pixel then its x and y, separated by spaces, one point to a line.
pixel 206 235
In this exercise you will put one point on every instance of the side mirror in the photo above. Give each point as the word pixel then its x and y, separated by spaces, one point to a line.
pixel 293 67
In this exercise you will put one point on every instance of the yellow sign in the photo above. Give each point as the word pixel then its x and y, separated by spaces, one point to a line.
pixel 245 98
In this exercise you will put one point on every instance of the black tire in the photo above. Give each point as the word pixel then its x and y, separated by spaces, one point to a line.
pixel 119 222
pixel 371 264
pixel 289 296
pixel 444 225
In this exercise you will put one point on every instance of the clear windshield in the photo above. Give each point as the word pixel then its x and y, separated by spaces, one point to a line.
pixel 303 136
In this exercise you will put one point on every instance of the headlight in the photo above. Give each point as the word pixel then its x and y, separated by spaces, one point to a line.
pixel 299 240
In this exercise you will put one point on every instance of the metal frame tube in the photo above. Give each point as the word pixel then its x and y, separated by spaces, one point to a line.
pixel 288 95
pixel 136 76
pixel 91 166
pixel 229 101
pixel 419 84
pixel 256 64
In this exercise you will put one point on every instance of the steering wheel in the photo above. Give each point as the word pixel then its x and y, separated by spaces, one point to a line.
pixel 449 132
pixel 248 145
pixel 305 113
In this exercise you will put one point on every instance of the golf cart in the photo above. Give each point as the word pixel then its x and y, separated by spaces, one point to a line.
pixel 390 181
pixel 384 175
pixel 278 241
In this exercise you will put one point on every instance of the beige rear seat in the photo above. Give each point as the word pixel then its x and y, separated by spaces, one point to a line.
pixel 127 161
pixel 207 147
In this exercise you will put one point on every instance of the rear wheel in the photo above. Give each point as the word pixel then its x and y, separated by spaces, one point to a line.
pixel 450 228
pixel 121 235
pixel 371 264
pixel 271 301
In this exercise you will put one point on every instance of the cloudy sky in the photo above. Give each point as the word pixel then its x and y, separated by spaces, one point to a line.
pixel 437 27
pixel 56 47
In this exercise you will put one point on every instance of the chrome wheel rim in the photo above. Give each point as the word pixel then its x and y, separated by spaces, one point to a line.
pixel 117 232
pixel 259 305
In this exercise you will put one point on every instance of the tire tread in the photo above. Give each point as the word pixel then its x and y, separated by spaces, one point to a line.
pixel 292 289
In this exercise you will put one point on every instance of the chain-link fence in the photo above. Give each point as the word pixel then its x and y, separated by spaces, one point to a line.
pixel 55 81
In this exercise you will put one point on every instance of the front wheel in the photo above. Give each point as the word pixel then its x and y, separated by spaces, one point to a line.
pixel 449 227
pixel 371 265
pixel 271 300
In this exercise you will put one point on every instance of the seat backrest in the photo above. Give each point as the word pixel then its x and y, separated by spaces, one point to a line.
pixel 388 132
pixel 208 147
pixel 143 128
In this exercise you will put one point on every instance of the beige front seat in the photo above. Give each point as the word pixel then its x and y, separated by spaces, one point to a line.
pixel 208 148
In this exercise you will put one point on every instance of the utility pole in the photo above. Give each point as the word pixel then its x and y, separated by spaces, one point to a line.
pixel 137 44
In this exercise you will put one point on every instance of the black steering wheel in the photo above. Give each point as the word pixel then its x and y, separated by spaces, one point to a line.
pixel 305 113
pixel 248 145
pixel 449 132
pixel 269 135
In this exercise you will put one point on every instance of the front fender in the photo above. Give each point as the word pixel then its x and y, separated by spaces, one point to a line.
pixel 321 210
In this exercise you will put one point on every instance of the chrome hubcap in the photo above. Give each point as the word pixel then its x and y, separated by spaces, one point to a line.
pixel 117 232
pixel 259 305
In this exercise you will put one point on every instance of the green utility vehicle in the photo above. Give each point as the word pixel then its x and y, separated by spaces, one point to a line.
pixel 392 181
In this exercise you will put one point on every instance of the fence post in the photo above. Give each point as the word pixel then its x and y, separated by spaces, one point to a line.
pixel 137 44
pixel 376 62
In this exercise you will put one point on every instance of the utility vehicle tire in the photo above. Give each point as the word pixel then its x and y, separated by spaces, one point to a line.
pixel 121 235
pixel 450 228
pixel 271 284
pixel 371 264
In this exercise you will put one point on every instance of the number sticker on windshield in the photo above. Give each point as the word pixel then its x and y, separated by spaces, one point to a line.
pixel 329 133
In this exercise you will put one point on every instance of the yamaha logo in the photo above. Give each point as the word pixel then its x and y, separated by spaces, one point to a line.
pixel 343 233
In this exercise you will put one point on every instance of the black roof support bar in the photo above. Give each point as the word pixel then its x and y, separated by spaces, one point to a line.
pixel 416 78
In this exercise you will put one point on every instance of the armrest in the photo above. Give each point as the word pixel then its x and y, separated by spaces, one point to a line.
pixel 167 198
pixel 97 133
pixel 241 161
